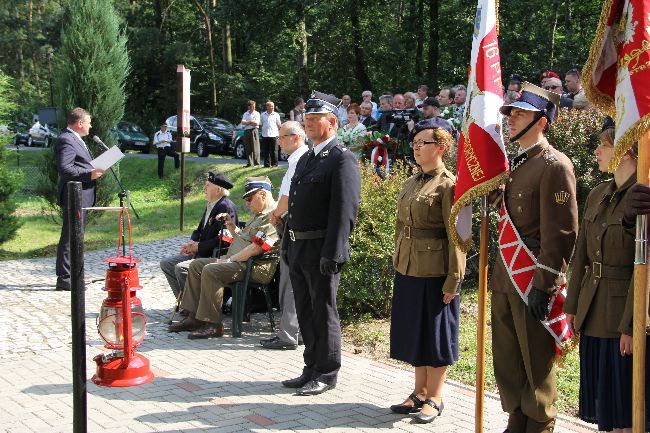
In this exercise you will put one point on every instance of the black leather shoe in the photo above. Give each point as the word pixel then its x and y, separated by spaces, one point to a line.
pixel 187 324
pixel 63 288
pixel 425 419
pixel 208 330
pixel 314 387
pixel 404 409
pixel 298 382
pixel 277 344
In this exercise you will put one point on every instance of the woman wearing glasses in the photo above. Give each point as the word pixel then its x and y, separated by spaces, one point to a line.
pixel 599 302
pixel 428 273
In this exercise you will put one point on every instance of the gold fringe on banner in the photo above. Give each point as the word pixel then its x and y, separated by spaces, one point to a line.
pixel 598 98
pixel 627 140
pixel 496 15
pixel 472 193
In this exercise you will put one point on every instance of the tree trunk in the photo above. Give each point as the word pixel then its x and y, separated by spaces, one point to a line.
pixel 208 28
pixel 419 47
pixel 360 70
pixel 434 41
pixel 30 38
pixel 303 76
pixel 226 42
pixel 553 28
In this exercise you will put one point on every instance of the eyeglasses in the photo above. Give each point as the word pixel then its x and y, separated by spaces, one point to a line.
pixel 420 143
pixel 249 198
pixel 551 87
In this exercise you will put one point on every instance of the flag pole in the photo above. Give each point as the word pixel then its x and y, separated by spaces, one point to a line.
pixel 640 298
pixel 482 309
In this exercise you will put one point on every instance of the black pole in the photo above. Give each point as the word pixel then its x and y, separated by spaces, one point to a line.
pixel 123 193
pixel 182 190
pixel 78 307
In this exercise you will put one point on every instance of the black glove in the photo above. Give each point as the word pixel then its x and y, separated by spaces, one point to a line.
pixel 284 255
pixel 538 301
pixel 328 267
pixel 637 202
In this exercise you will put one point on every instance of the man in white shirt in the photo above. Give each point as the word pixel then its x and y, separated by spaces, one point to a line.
pixel 423 93
pixel 366 95
pixel 342 113
pixel 251 122
pixel 292 142
pixel 270 126
pixel 163 142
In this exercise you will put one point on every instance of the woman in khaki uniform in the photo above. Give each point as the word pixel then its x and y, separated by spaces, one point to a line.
pixel 428 273
pixel 599 302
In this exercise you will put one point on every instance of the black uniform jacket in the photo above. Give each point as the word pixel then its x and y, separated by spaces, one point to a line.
pixel 73 164
pixel 324 195
pixel 208 236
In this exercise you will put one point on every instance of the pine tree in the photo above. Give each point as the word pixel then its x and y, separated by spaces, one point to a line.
pixel 9 179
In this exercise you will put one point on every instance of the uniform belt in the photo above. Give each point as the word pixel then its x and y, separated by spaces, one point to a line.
pixel 312 234
pixel 410 232
pixel 598 270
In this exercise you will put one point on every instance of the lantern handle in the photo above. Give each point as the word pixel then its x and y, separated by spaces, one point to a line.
pixel 120 237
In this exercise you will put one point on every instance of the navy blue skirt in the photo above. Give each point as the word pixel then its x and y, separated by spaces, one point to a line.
pixel 606 384
pixel 423 329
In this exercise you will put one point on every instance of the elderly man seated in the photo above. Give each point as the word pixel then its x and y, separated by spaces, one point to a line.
pixel 205 238
pixel 203 293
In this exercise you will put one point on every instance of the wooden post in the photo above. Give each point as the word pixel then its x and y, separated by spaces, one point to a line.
pixel 482 311
pixel 640 299
pixel 182 126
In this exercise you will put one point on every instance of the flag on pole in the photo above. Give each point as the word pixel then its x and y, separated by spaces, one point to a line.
pixel 482 163
pixel 617 72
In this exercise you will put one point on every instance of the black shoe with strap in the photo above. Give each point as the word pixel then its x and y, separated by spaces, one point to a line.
pixel 425 419
pixel 405 409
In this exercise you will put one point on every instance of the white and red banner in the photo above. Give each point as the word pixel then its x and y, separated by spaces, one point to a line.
pixel 225 235
pixel 616 76
pixel 263 241
pixel 521 265
pixel 482 162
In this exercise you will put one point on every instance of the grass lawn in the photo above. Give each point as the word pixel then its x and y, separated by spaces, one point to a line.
pixel 156 201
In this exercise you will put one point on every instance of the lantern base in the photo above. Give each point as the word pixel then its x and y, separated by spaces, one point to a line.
pixel 111 372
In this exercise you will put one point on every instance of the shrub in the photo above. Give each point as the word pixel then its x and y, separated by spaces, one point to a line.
pixel 10 181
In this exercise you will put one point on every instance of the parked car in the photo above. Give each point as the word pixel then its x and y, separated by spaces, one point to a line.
pixel 131 136
pixel 207 134
pixel 42 135
pixel 238 144
pixel 22 133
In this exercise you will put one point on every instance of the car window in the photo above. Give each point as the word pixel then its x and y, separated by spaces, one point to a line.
pixel 219 124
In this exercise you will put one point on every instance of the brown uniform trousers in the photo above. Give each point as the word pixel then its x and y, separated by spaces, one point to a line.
pixel 541 201
pixel 206 278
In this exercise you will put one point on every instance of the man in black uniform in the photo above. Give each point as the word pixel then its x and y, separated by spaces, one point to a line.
pixel 323 202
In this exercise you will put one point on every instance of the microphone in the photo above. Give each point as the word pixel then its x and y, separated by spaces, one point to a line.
pixel 97 140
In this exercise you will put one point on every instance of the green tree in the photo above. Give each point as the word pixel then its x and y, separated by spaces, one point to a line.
pixel 90 71
pixel 9 179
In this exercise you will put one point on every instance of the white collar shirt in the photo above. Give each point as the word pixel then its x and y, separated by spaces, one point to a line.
pixel 270 124
pixel 342 115
pixel 322 145
pixel 161 136
pixel 254 116
pixel 293 162
pixel 208 211
pixel 80 140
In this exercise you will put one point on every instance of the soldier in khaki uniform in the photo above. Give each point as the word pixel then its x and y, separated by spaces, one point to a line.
pixel 428 272
pixel 540 197
pixel 600 299
pixel 206 277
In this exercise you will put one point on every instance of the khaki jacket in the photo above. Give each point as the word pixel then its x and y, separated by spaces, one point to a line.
pixel 603 306
pixel 425 204
pixel 540 197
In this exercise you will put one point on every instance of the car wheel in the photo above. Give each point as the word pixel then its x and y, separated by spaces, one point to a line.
pixel 30 143
pixel 201 150
pixel 240 150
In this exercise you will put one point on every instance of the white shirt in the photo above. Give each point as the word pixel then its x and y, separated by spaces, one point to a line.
pixel 320 147
pixel 254 116
pixel 342 116
pixel 160 136
pixel 270 124
pixel 208 211
pixel 293 162
pixel 81 140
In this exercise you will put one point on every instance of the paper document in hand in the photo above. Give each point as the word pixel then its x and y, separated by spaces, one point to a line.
pixel 107 159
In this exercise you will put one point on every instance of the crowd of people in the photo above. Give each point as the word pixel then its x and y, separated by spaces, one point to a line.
pixel 307 231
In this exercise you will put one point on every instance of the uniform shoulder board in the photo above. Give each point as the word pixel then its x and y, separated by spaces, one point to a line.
pixel 549 157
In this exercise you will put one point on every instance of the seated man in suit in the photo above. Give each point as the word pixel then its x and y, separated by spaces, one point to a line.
pixel 206 236
pixel 206 278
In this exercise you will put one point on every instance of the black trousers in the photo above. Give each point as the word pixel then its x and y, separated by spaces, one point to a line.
pixel 164 152
pixel 318 317
pixel 63 251
pixel 270 151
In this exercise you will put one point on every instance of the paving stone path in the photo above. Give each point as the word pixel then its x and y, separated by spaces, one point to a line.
pixel 219 385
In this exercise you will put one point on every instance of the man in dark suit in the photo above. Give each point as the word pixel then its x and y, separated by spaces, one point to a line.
pixel 73 164
pixel 323 202
pixel 366 118
pixel 206 236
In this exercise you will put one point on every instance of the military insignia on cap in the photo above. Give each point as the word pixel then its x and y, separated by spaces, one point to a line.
pixel 562 197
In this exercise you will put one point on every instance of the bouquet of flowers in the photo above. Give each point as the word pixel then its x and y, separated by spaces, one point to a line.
pixel 352 139
pixel 380 149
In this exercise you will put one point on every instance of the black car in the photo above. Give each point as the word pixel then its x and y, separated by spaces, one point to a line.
pixel 131 136
pixel 207 134
pixel 22 133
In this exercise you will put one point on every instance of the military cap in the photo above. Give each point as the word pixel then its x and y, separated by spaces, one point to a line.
pixel 548 74
pixel 322 103
pixel 534 98
pixel 433 123
pixel 608 123
pixel 256 183
pixel 219 179
pixel 430 101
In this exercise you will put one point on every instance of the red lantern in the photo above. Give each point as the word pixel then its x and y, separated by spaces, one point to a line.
pixel 122 323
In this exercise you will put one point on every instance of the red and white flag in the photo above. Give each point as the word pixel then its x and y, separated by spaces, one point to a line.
pixel 482 162
pixel 263 241
pixel 225 235
pixel 616 75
